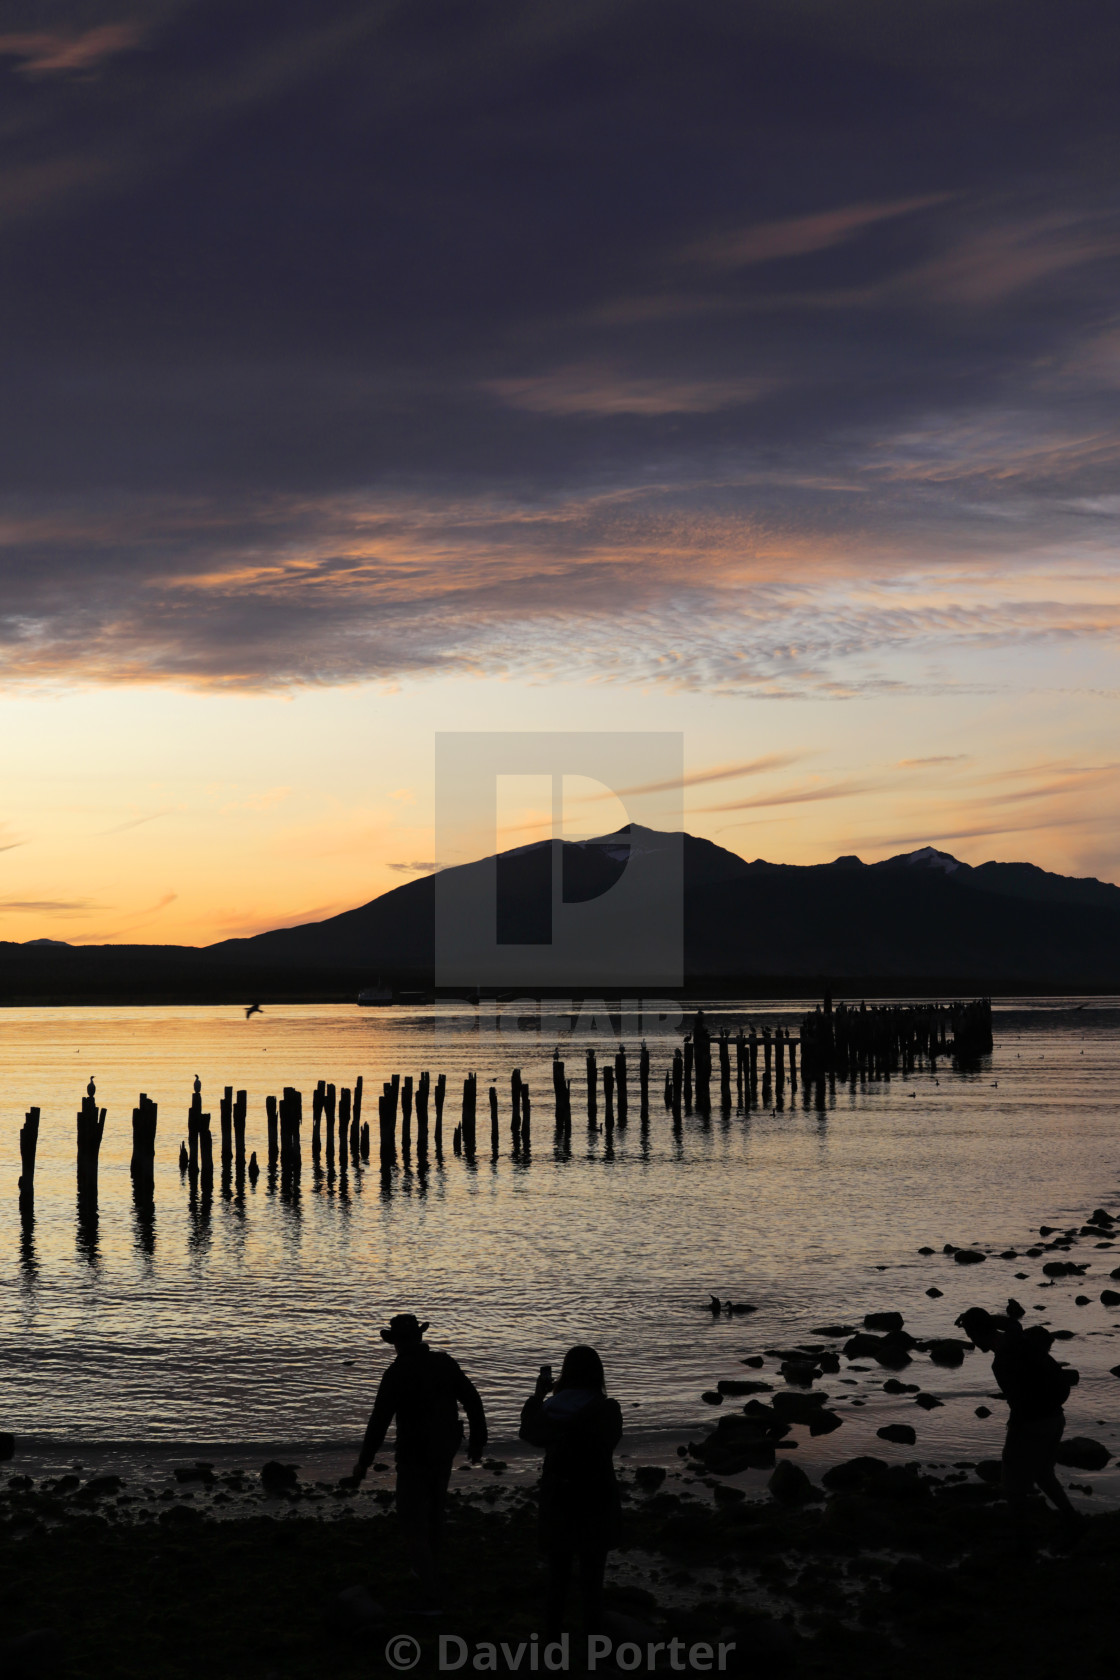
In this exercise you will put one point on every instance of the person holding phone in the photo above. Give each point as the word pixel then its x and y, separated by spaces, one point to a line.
pixel 579 1428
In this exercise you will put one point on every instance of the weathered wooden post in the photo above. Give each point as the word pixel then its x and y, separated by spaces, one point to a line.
pixel 725 1070
pixel 318 1098
pixel 273 1144
pixel 143 1165
pixel 192 1124
pixel 622 1095
pixel 356 1120
pixel 406 1116
pixel 592 1091
pixel 780 1061
pixel 494 1136
pixel 792 1043
pixel 226 1111
pixel 240 1110
pixel 687 1070
pixel 740 1068
pixel 608 1097
pixel 28 1144
pixel 515 1110
pixel 422 1115
pixel 91 1129
pixel 329 1109
pixel 470 1104
pixel 752 1046
pixel 767 1058
pixel 254 1170
pixel 702 1062
pixel 526 1123
pixel 560 1094
pixel 343 1127
pixel 643 1080
pixel 441 1092
pixel 206 1153
pixel 457 1140
pixel 291 1122
pixel 365 1140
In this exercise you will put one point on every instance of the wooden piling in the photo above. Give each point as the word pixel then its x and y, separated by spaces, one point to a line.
pixel 725 1070
pixel 526 1123
pixel 254 1170
pixel 643 1081
pixel 422 1089
pixel 441 1092
pixel 470 1104
pixel 330 1105
pixel 356 1114
pixel 318 1098
pixel 560 1088
pixel 240 1110
pixel 225 1112
pixel 495 1140
pixel 515 1110
pixel 621 1093
pixel 192 1125
pixel 344 1127
pixel 365 1140
pixel 28 1145
pixel 273 1143
pixel 206 1152
pixel 592 1091
pixel 686 1075
pixel 291 1122
pixel 406 1115
pixel 91 1129
pixel 608 1097
pixel 143 1164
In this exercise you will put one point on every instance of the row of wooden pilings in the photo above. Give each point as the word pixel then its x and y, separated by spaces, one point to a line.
pixel 853 1043
pixel 411 1116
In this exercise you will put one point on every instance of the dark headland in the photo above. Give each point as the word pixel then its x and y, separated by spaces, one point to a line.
pixel 922 922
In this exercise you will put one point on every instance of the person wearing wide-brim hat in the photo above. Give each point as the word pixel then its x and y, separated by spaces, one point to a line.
pixel 423 1389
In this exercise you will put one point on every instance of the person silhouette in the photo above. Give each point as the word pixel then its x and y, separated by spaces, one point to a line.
pixel 423 1389
pixel 579 1428
pixel 1036 1389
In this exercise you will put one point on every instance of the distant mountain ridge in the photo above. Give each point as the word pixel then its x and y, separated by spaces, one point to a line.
pixel 921 918
pixel 921 912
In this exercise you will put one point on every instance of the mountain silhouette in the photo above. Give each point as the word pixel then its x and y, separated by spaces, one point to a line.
pixel 920 914
pixel 922 919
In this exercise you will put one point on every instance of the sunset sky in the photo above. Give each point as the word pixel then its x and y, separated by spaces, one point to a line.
pixel 380 367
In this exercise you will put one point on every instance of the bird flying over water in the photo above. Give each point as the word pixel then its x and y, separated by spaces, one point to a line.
pixel 253 1009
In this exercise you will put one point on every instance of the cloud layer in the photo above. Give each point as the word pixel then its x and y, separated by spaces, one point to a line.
pixel 719 347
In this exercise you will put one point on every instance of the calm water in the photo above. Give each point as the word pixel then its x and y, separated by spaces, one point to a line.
pixel 254 1319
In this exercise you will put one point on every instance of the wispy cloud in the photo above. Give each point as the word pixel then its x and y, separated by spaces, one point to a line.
pixel 587 390
pixel 133 822
pixel 807 795
pixel 46 52
pixel 798 236
pixel 428 868
pixel 51 906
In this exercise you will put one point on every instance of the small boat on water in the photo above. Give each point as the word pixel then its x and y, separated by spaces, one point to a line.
pixel 378 994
